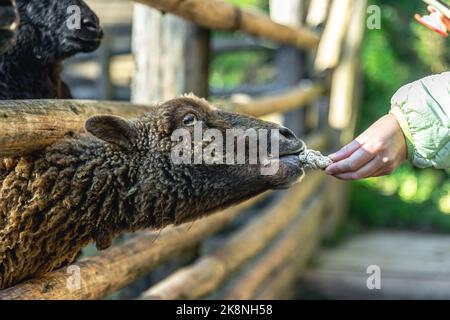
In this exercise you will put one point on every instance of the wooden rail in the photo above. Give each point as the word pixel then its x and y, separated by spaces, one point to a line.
pixel 294 243
pixel 120 265
pixel 208 273
pixel 330 47
pixel 295 98
pixel 27 126
pixel 31 125
pixel 283 283
pixel 220 15
pixel 345 81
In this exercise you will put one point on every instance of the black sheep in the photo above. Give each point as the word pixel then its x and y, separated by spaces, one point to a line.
pixel 46 36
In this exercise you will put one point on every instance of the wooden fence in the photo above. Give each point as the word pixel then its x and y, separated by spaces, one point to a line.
pixel 317 48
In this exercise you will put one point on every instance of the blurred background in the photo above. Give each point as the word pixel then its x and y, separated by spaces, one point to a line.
pixel 400 52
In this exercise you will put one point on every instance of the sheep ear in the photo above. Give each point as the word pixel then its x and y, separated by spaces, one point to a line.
pixel 112 129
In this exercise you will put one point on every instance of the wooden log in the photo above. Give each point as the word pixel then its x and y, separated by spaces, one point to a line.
pixel 330 47
pixel 119 266
pixel 30 125
pixel 209 272
pixel 288 12
pixel 249 89
pixel 290 63
pixel 290 245
pixel 27 126
pixel 294 98
pixel 282 285
pixel 171 56
pixel 317 13
pixel 344 82
pixel 218 14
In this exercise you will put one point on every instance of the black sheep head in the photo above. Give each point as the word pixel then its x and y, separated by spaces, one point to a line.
pixel 9 20
pixel 53 30
pixel 188 190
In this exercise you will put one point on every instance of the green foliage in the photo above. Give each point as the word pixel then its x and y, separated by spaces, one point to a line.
pixel 232 69
pixel 229 70
pixel 401 52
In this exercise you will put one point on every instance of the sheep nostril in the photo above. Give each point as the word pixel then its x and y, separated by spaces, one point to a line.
pixel 91 25
pixel 287 133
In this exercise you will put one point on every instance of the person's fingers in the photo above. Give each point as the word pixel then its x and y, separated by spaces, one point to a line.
pixel 346 151
pixel 431 9
pixel 351 164
pixel 350 148
pixel 368 170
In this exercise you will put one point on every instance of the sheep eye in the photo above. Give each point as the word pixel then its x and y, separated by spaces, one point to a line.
pixel 189 120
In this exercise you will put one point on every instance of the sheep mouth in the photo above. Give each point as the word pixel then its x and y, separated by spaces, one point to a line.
pixel 87 44
pixel 288 155
pixel 290 171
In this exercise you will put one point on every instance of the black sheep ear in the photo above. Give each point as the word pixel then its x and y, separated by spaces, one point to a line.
pixel 112 129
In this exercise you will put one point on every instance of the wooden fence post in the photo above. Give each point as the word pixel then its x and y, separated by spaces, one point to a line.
pixel 344 101
pixel 289 60
pixel 171 56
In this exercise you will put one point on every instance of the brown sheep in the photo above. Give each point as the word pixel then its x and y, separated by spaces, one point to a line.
pixel 120 178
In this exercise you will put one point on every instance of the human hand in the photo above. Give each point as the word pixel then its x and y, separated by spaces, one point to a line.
pixel 444 19
pixel 378 151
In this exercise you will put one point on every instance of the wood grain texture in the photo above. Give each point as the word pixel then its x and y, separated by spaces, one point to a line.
pixel 344 82
pixel 30 125
pixel 294 243
pixel 220 15
pixel 332 40
pixel 294 98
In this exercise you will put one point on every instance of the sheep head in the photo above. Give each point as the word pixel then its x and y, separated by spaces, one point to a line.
pixel 53 30
pixel 9 19
pixel 188 141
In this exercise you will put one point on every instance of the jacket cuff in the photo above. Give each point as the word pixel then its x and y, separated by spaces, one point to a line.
pixel 396 112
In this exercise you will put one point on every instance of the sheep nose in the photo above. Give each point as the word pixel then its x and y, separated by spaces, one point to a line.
pixel 287 133
pixel 91 25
